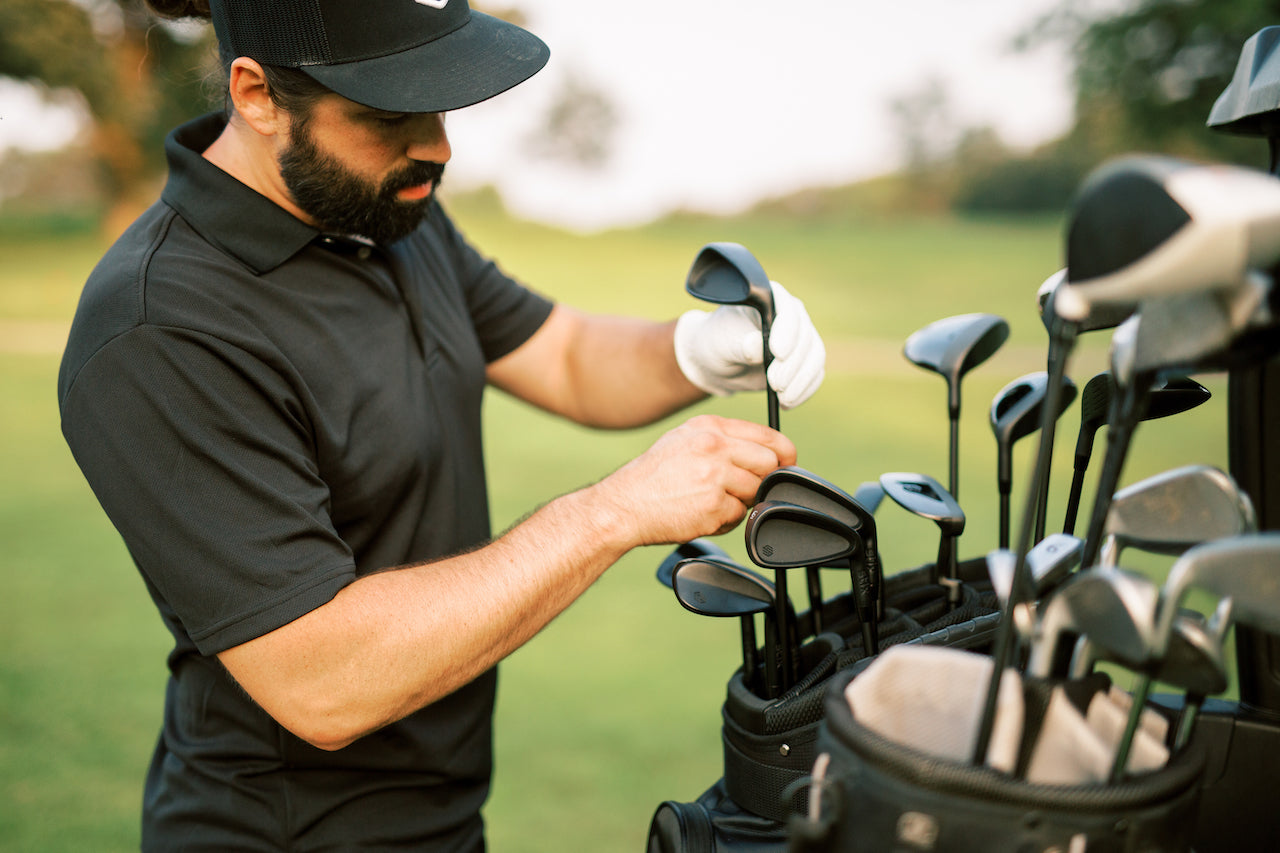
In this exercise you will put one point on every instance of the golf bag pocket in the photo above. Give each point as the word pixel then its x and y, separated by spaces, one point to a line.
pixel 871 791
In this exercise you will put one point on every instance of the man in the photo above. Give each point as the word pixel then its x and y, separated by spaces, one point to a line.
pixel 273 384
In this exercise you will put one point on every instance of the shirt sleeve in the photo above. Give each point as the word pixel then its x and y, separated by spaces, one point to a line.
pixel 504 312
pixel 213 486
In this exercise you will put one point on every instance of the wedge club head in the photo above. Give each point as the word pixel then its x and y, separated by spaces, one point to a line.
pixel 793 484
pixel 728 274
pixel 700 547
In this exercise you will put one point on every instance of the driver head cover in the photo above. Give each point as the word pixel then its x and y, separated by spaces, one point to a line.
pixel 415 56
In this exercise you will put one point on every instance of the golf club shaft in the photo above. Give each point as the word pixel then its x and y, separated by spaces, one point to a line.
pixel 1073 501
pixel 1123 423
pixel 1065 334
pixel 771 395
pixel 780 612
pixel 813 578
pixel 953 457
pixel 1141 689
pixel 749 657
pixel 1004 515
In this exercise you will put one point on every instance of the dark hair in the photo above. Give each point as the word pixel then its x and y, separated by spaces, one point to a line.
pixel 290 89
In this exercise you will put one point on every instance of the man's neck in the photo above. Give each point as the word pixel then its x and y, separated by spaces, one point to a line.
pixel 252 159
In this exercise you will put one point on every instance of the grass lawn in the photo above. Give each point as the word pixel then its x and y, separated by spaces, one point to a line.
pixel 615 706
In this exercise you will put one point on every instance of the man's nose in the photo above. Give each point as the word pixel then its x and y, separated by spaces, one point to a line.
pixel 428 141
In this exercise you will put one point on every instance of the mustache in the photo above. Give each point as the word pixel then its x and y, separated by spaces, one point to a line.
pixel 414 175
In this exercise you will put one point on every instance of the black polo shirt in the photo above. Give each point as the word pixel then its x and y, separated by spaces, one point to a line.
pixel 267 413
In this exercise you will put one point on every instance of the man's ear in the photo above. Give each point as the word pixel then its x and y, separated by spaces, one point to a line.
pixel 252 98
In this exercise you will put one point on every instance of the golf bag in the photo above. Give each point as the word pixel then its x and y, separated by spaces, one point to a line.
pixel 770 745
pixel 876 794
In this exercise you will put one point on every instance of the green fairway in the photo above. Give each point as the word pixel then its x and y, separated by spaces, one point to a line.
pixel 615 707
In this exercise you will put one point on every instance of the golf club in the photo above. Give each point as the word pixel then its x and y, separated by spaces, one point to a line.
pixel 1049 563
pixel 924 496
pixel 793 484
pixel 712 587
pixel 783 536
pixel 1245 569
pixel 728 274
pixel 1180 333
pixel 1170 396
pixel 1125 244
pixel 700 547
pixel 1015 414
pixel 1176 510
pixel 952 347
pixel 1060 345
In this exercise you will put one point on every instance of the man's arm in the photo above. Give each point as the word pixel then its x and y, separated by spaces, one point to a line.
pixel 395 641
pixel 601 371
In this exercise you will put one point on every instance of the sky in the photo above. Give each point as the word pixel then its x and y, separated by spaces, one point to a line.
pixel 722 103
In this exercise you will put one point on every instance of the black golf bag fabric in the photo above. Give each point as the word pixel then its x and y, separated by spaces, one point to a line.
pixel 770 744
pixel 879 795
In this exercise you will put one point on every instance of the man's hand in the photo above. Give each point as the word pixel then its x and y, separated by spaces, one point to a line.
pixel 722 352
pixel 696 480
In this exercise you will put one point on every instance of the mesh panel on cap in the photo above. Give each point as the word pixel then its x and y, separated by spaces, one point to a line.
pixel 277 33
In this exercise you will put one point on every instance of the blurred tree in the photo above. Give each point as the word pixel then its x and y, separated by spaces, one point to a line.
pixel 137 77
pixel 579 126
pixel 1147 72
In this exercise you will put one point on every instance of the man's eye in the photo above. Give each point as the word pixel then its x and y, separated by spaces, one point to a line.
pixel 390 119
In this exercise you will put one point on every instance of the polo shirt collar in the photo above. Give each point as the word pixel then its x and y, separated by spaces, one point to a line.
pixel 224 211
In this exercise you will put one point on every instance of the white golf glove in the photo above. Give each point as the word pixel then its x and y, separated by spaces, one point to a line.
pixel 721 351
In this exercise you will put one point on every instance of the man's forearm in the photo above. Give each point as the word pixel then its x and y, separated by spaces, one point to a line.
pixel 395 641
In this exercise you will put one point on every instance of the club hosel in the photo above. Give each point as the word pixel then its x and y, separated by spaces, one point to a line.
pixel 1004 470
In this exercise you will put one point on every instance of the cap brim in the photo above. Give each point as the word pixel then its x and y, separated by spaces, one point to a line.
pixel 484 57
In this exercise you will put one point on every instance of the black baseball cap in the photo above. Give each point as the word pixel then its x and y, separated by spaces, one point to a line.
pixel 418 56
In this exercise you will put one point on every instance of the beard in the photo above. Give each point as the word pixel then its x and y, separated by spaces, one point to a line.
pixel 339 200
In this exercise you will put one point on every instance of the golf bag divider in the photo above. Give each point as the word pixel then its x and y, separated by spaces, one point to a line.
pixel 878 795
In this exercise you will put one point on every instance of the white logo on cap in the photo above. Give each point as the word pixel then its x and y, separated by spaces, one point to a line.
pixel 434 4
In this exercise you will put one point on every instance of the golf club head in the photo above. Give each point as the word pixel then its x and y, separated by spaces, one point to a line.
pixel 1148 227
pixel 1114 608
pixel 1170 395
pixel 1195 660
pixel 1049 563
pixel 1248 106
pixel 869 495
pixel 1016 412
pixel 1178 509
pixel 955 345
pixel 694 548
pixel 1099 317
pixel 793 484
pixel 1095 409
pixel 1173 395
pixel 786 536
pixel 924 496
pixel 712 587
pixel 1186 332
pixel 728 274
pixel 1244 568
